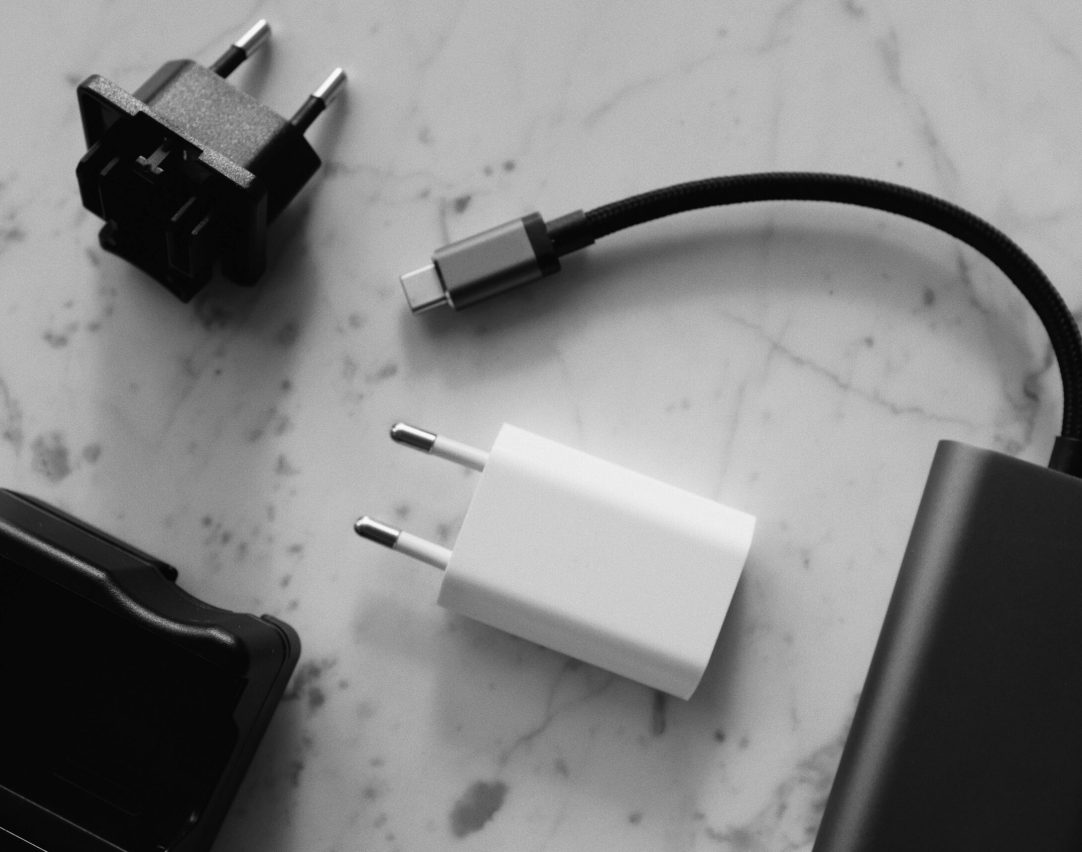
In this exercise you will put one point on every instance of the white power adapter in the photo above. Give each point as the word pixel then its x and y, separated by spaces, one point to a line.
pixel 585 557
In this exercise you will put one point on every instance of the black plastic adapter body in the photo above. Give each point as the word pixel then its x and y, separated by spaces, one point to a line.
pixel 130 709
pixel 968 733
pixel 186 172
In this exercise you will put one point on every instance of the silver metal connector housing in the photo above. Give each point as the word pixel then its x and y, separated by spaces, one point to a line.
pixel 484 265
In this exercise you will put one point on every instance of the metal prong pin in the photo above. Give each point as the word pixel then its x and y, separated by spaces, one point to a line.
pixel 242 49
pixel 403 542
pixel 438 445
pixel 316 102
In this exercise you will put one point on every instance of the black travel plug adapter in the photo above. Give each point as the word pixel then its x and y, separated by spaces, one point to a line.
pixel 968 734
pixel 188 171
pixel 131 709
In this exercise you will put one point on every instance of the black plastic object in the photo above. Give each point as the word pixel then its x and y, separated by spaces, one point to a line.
pixel 130 709
pixel 188 171
pixel 968 734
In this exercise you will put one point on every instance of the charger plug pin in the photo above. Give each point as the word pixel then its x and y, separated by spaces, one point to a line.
pixel 403 542
pixel 318 101
pixel 438 445
pixel 241 49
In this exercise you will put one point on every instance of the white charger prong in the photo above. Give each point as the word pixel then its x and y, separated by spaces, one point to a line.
pixel 403 542
pixel 438 445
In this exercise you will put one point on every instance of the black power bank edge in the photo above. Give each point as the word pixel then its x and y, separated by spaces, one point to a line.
pixel 130 710
pixel 968 733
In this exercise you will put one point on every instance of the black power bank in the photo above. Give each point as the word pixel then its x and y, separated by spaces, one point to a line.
pixel 129 709
pixel 968 733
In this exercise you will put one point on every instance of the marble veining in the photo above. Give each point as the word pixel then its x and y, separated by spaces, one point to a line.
pixel 798 362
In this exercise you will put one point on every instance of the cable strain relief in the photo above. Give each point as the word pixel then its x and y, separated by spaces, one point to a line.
pixel 570 233
pixel 541 242
pixel 1067 455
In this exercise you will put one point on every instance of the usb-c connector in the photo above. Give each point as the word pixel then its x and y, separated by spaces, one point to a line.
pixel 424 289
pixel 473 269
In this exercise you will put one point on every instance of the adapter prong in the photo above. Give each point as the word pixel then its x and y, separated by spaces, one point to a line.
pixel 316 102
pixel 242 49
pixel 411 436
pixel 403 542
pixel 330 88
pixel 438 445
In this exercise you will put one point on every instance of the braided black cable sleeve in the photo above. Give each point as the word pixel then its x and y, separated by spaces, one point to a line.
pixel 862 192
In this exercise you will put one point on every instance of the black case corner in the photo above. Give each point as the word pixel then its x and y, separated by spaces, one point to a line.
pixel 132 709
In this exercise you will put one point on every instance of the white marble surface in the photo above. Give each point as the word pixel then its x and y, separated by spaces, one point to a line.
pixel 797 362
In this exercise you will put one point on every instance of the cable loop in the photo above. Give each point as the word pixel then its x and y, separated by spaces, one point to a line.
pixel 879 195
